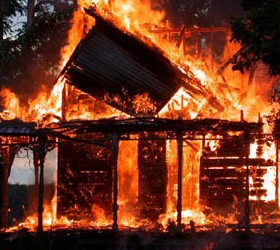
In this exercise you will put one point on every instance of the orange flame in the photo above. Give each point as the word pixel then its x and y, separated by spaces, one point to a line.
pixel 140 19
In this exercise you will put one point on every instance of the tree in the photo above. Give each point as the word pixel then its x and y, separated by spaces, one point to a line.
pixel 30 13
pixel 30 58
pixel 8 8
pixel 259 35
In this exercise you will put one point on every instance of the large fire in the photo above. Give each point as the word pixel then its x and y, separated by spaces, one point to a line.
pixel 140 19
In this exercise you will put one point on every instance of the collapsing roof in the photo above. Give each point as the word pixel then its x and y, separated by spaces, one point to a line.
pixel 116 67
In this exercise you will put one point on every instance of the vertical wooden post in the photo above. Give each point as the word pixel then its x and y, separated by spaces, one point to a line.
pixel 63 102
pixel 4 165
pixel 212 51
pixel 203 141
pixel 36 163
pixel 277 173
pixel 30 13
pixel 247 190
pixel 198 47
pixel 115 148
pixel 41 153
pixel 179 190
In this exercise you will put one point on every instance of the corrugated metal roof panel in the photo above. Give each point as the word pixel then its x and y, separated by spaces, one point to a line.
pixel 116 67
pixel 15 127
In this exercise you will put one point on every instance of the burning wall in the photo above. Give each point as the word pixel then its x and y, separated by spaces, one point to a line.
pixel 84 179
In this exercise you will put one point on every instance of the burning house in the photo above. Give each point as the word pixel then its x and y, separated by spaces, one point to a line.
pixel 116 69
pixel 139 167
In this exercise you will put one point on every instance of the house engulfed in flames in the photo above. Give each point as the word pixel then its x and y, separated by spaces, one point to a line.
pixel 139 165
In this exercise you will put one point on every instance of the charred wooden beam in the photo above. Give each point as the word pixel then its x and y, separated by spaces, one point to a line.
pixel 190 29
pixel 215 126
pixel 231 60
pixel 181 36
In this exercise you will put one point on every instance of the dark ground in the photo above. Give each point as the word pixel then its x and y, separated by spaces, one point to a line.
pixel 138 240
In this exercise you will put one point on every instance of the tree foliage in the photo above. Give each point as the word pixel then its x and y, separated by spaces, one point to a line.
pixel 8 9
pixel 259 34
pixel 29 59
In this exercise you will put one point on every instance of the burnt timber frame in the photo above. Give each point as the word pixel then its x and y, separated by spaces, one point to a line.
pixel 114 130
pixel 188 32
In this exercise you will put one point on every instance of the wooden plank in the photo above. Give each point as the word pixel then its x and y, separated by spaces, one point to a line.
pixel 224 173
pixel 227 162
pixel 225 182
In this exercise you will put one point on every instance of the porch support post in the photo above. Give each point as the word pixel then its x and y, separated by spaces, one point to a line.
pixel 41 153
pixel 247 190
pixel 179 189
pixel 115 148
